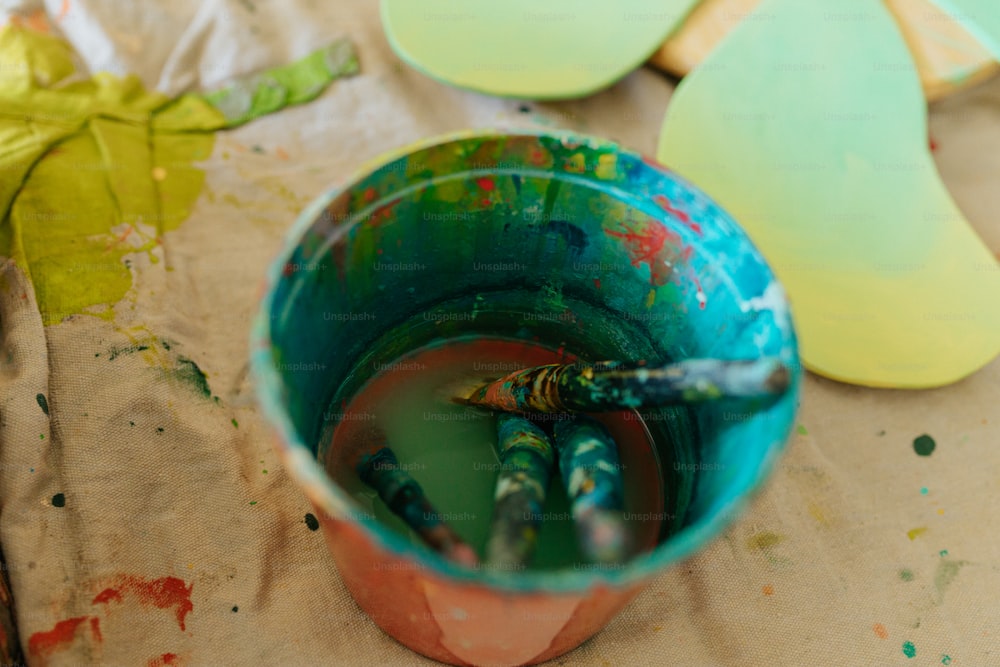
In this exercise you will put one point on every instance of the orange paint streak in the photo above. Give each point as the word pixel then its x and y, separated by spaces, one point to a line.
pixel 164 593
pixel 42 644
pixel 280 152
pixel 768 590
pixel 880 631
pixel 63 10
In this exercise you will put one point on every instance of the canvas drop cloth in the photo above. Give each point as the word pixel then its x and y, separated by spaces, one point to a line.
pixel 141 501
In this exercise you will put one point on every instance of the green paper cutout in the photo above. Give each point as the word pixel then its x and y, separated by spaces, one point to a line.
pixel 96 170
pixel 980 17
pixel 522 48
pixel 816 141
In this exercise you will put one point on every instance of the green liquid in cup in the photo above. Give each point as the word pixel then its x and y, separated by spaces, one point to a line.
pixel 450 449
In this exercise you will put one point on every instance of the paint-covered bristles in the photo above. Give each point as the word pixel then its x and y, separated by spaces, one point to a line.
pixel 404 497
pixel 526 461
pixel 613 385
pixel 588 463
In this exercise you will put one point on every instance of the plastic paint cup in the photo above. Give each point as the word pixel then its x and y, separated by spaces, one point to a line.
pixel 558 238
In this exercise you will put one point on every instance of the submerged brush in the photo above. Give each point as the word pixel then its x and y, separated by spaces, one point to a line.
pixel 588 462
pixel 614 385
pixel 403 495
pixel 526 462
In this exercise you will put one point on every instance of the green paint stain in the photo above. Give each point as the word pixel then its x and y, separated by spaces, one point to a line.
pixel 945 659
pixel 42 403
pixel 943 553
pixel 188 373
pixel 914 533
pixel 945 574
pixel 764 540
pixel 236 424
pixel 906 575
pixel 924 445
pixel 923 490
pixel 801 430
pixel 253 502
pixel 909 650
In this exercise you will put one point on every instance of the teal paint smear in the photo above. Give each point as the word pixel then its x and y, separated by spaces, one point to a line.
pixel 909 650
pixel 980 17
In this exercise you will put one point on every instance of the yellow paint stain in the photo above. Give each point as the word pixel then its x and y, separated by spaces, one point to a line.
pixel 816 512
pixel 607 166
pixel 764 540
pixel 940 512
pixel 576 164
pixel 650 298
pixel 916 532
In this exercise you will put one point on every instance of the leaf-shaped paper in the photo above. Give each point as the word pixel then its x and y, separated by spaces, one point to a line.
pixel 523 48
pixel 810 128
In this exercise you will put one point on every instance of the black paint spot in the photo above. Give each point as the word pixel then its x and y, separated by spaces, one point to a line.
pixel 575 237
pixel 159 429
pixel 131 423
pixel 235 609
pixel 165 343
pixel 312 522
pixel 115 352
pixel 42 403
pixel 59 500
pixel 924 445
pixel 524 108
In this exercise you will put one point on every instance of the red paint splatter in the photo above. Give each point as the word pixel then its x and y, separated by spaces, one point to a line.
pixel 368 195
pixel 597 283
pixel 485 202
pixel 288 269
pixel 486 183
pixel 536 156
pixel 681 215
pixel 649 245
pixel 932 143
pixel 43 644
pixel 700 295
pixel 378 251
pixel 95 627
pixel 164 660
pixel 164 593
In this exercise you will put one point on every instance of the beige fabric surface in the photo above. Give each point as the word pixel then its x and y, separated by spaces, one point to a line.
pixel 820 570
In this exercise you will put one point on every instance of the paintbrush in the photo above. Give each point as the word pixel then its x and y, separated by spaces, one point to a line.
pixel 402 494
pixel 588 463
pixel 526 462
pixel 615 385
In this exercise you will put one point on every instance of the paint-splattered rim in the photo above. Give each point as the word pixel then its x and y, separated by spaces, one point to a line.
pixel 331 499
